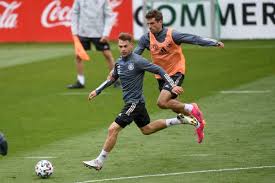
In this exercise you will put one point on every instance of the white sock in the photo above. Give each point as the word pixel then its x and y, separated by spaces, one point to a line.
pixel 81 79
pixel 172 121
pixel 188 108
pixel 102 156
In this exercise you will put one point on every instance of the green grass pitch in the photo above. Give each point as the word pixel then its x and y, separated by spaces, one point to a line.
pixel 235 88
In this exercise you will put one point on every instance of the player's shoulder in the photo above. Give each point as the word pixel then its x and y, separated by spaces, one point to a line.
pixel 145 37
pixel 137 57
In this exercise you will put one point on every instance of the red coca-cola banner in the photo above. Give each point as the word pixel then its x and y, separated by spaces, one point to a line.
pixel 50 20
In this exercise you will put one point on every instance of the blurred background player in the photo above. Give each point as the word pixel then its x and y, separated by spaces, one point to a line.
pixel 164 45
pixel 3 145
pixel 92 22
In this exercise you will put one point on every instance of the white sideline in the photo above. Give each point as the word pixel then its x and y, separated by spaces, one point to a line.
pixel 40 157
pixel 178 173
pixel 75 93
pixel 244 91
pixel 80 93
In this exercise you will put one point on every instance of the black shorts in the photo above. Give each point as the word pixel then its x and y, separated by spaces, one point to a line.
pixel 177 78
pixel 133 112
pixel 86 43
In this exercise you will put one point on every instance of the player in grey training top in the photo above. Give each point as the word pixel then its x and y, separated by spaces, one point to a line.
pixel 130 68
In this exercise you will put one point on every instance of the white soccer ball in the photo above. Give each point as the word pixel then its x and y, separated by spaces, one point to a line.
pixel 44 169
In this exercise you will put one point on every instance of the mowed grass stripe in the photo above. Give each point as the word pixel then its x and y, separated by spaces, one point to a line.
pixel 234 130
pixel 11 55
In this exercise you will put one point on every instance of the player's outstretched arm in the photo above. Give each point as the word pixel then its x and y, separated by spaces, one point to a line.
pixel 99 89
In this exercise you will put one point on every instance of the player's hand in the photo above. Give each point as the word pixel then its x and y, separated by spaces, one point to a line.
pixel 92 95
pixel 177 90
pixel 104 39
pixel 220 44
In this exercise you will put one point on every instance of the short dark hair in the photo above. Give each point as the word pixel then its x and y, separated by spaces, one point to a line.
pixel 124 36
pixel 154 14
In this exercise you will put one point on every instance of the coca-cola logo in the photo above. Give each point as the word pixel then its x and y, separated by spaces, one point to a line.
pixel 8 19
pixel 54 15
pixel 114 4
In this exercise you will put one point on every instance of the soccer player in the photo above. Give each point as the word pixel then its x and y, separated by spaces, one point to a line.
pixel 92 22
pixel 130 68
pixel 164 45
pixel 3 145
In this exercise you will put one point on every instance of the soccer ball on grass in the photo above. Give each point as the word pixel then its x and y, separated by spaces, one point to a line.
pixel 44 169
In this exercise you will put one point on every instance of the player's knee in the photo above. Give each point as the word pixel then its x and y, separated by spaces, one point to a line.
pixel 77 58
pixel 161 104
pixel 112 130
pixel 146 130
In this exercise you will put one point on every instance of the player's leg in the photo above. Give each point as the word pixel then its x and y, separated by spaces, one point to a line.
pixel 3 145
pixel 160 124
pixel 167 100
pixel 111 139
pixel 122 120
pixel 109 144
pixel 109 59
pixel 104 47
pixel 80 82
pixel 142 120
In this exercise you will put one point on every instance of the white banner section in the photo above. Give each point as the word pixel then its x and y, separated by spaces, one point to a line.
pixel 234 19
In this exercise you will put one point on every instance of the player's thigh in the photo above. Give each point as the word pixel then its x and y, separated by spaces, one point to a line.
pixel 85 42
pixel 164 96
pixel 141 116
pixel 114 128
pixel 125 117
pixel 100 46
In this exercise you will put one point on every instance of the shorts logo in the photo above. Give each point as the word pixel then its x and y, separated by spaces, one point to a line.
pixel 131 66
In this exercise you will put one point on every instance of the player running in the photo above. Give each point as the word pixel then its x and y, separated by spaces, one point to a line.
pixel 130 68
pixel 164 45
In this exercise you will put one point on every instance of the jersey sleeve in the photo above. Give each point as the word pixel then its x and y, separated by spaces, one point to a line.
pixel 192 39
pixel 75 17
pixel 115 75
pixel 144 64
pixel 143 43
pixel 109 81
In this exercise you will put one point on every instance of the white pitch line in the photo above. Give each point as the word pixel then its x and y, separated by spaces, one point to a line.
pixel 79 93
pixel 40 157
pixel 245 91
pixel 178 173
pixel 75 93
pixel 196 155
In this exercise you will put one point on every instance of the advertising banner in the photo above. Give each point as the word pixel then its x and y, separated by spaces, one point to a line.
pixel 247 19
pixel 50 20
pixel 233 19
